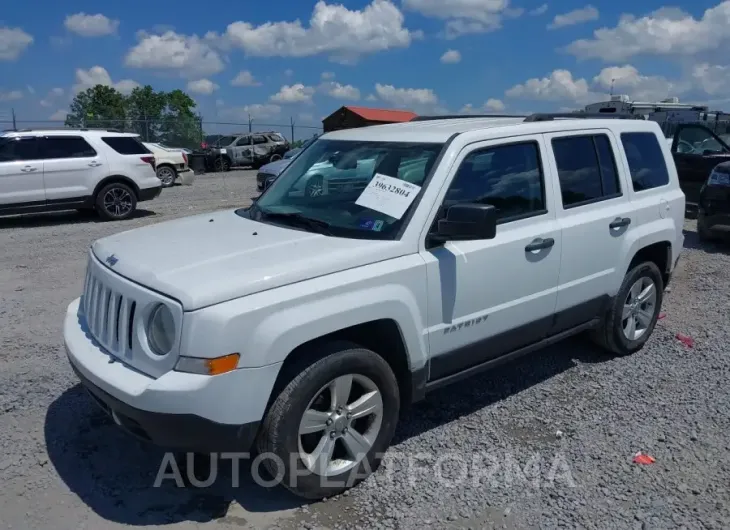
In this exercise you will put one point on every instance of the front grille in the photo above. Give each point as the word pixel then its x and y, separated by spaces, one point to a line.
pixel 109 316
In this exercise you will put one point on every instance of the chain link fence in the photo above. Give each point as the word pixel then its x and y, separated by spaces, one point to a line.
pixel 189 133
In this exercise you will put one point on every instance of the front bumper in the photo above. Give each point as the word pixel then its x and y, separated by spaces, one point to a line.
pixel 177 410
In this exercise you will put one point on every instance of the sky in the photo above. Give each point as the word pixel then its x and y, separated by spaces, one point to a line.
pixel 300 60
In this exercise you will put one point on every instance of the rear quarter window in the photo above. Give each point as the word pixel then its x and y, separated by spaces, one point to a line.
pixel 126 145
pixel 646 160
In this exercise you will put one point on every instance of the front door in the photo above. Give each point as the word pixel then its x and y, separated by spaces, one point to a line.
pixel 696 150
pixel 21 173
pixel 488 298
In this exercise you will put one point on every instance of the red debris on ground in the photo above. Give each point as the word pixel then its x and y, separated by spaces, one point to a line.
pixel 662 315
pixel 644 459
pixel 686 340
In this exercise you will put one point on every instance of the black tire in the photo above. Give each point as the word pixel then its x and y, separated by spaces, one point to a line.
pixel 279 435
pixel 610 335
pixel 110 212
pixel 703 233
pixel 222 164
pixel 316 182
pixel 165 170
pixel 274 158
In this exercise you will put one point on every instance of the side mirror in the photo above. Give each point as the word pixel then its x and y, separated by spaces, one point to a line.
pixel 467 222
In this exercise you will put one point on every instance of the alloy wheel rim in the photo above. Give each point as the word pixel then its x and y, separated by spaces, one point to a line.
pixel 639 308
pixel 315 189
pixel 166 176
pixel 117 202
pixel 340 425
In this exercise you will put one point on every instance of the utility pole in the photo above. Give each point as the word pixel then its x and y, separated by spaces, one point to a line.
pixel 291 120
pixel 250 122
pixel 15 127
pixel 612 82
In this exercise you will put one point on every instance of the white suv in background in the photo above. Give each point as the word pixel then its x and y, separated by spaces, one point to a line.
pixel 303 324
pixel 83 169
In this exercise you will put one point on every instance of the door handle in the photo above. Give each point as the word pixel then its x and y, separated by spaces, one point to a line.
pixel 28 169
pixel 619 222
pixel 94 164
pixel 540 244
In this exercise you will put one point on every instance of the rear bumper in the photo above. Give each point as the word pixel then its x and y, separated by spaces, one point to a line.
pixel 147 194
pixel 719 222
pixel 186 177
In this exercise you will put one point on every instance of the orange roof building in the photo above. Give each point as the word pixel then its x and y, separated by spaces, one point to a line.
pixel 350 117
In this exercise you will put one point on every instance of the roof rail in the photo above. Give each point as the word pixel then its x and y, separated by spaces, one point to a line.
pixel 462 116
pixel 549 116
pixel 70 129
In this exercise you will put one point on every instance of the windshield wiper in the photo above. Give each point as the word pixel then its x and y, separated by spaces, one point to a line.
pixel 314 225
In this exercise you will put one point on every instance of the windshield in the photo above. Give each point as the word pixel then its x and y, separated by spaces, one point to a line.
pixel 332 183
pixel 224 141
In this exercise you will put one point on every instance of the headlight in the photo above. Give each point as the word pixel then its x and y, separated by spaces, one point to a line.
pixel 161 330
pixel 718 179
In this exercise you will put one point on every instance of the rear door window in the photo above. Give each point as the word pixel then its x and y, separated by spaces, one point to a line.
pixel 646 160
pixel 126 145
pixel 259 139
pixel 67 147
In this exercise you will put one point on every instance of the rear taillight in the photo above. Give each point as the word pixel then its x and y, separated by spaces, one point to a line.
pixel 150 160
pixel 185 157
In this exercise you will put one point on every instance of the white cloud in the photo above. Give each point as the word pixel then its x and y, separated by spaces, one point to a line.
pixel 59 115
pixel 53 95
pixel 451 57
pixel 327 75
pixel 667 31
pixel 559 86
pixel 98 75
pixel 712 79
pixel 202 86
pixel 339 91
pixel 256 111
pixel 465 16
pixel 297 93
pixel 371 97
pixel 91 25
pixel 188 56
pixel 31 90
pixel 577 16
pixel 406 97
pixel 490 106
pixel 245 78
pixel 539 10
pixel 333 29
pixel 627 80
pixel 13 42
pixel 13 95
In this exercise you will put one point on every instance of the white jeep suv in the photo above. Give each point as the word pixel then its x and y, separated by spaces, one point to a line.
pixel 84 169
pixel 302 325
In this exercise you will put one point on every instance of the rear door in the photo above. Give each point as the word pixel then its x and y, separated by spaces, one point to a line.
pixel 594 215
pixel 21 172
pixel 72 167
pixel 696 150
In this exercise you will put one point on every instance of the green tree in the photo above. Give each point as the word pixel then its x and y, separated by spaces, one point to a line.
pixel 98 106
pixel 145 109
pixel 180 125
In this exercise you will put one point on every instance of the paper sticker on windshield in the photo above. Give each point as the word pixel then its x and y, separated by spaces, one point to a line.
pixel 388 195
pixel 223 151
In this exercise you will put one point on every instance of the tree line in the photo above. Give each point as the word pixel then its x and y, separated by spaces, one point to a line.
pixel 157 116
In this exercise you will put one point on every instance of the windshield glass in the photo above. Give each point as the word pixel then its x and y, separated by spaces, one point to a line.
pixel 224 141
pixel 332 183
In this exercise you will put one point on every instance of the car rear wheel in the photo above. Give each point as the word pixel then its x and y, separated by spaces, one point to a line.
pixel 116 202
pixel 330 425
pixel 167 175
pixel 222 164
pixel 274 158
pixel 633 314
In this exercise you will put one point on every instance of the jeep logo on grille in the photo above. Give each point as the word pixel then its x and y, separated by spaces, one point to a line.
pixel 112 260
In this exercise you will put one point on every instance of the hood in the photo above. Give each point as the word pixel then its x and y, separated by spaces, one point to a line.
pixel 212 258
pixel 274 168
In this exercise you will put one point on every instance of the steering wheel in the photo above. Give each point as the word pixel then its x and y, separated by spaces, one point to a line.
pixel 683 146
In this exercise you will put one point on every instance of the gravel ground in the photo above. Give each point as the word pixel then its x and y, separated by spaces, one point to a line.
pixel 545 442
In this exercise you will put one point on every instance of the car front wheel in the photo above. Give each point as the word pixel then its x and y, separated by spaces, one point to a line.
pixel 328 428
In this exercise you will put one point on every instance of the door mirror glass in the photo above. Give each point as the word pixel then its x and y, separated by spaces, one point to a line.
pixel 467 222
